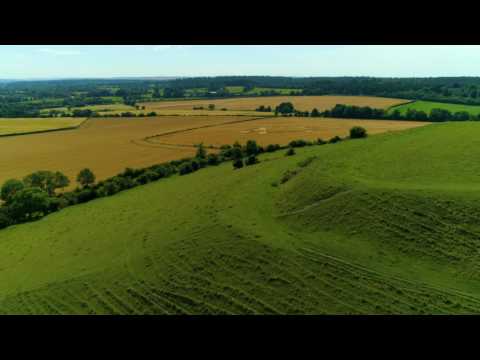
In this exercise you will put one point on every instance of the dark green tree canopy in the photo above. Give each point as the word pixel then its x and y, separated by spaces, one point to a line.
pixel 285 108
pixel 251 148
pixel 29 203
pixel 358 132
pixel 201 152
pixel 86 177
pixel 10 188
pixel 46 180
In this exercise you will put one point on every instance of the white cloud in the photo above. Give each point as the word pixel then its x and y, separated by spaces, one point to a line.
pixel 59 52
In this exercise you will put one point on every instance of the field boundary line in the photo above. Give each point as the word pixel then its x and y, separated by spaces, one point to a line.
pixel 405 103
pixel 46 131
pixel 201 127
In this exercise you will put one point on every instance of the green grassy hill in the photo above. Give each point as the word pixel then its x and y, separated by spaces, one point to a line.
pixel 389 224
pixel 427 106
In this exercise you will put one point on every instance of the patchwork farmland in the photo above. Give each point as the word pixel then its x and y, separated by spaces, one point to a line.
pixel 278 131
pixel 302 103
pixel 241 106
pixel 154 252
pixel 108 146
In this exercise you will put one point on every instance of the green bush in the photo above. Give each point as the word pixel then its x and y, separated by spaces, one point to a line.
pixel 185 168
pixel 298 143
pixel 334 140
pixel 29 203
pixel 238 163
pixel 272 147
pixel 290 152
pixel 161 171
pixel 195 164
pixel 147 177
pixel 108 188
pixel 358 132
pixel 85 195
pixel 212 159
pixel 288 175
pixel 10 188
pixel 201 152
pixel 251 148
pixel 5 219
pixel 251 160
pixel 307 161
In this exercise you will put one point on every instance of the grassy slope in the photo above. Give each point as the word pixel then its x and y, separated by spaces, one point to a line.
pixel 383 225
pixel 427 106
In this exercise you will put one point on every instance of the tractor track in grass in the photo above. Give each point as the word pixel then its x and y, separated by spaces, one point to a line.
pixel 309 251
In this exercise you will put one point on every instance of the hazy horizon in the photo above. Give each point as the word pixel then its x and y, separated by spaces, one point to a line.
pixel 45 62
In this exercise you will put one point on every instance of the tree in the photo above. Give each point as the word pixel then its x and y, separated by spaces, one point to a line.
pixel 251 148
pixel 461 116
pixel 315 113
pixel 29 203
pixel 61 180
pixel 45 180
pixel 358 132
pixel 440 115
pixel 236 151
pixel 86 177
pixel 285 108
pixel 237 163
pixel 10 188
pixel 211 107
pixel 201 152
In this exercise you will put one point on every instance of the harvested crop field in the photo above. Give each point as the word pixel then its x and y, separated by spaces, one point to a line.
pixel 303 103
pixel 279 131
pixel 106 146
pixel 9 126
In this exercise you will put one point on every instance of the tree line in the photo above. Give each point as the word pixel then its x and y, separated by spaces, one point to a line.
pixel 41 193
pixel 28 98
pixel 366 112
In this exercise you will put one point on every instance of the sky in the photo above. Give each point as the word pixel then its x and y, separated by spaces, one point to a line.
pixel 64 61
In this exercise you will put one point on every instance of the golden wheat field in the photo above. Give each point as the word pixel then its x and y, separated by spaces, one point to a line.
pixel 303 103
pixel 279 131
pixel 106 146
pixel 10 126
pixel 109 145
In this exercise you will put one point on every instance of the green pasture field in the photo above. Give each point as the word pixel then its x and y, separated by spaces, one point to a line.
pixel 383 225
pixel 427 106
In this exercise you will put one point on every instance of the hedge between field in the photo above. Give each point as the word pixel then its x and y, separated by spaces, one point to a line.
pixel 239 155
